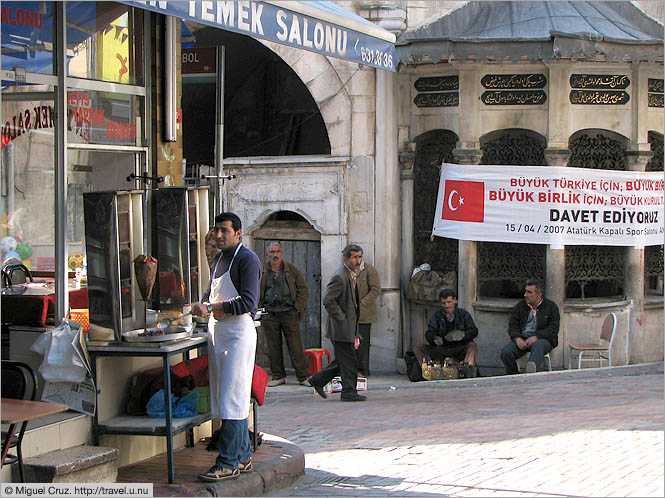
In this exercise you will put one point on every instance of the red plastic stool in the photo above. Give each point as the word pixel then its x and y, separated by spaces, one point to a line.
pixel 315 355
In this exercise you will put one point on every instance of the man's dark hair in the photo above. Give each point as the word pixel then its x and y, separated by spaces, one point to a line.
pixel 537 283
pixel 445 293
pixel 346 252
pixel 236 224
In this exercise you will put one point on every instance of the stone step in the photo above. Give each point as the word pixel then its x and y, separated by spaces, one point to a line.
pixel 76 464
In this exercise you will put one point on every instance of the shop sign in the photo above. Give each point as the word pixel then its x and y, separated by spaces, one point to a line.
pixel 276 23
pixel 437 83
pixel 599 81
pixel 514 81
pixel 599 97
pixel 439 99
pixel 515 97
pixel 655 96
pixel 199 60
pixel 550 205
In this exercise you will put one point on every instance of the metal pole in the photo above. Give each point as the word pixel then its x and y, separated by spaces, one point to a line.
pixel 219 132
pixel 61 275
pixel 170 79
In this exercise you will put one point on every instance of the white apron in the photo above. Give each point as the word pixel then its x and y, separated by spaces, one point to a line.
pixel 231 348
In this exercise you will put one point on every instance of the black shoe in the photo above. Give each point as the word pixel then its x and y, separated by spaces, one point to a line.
pixel 357 397
pixel 363 374
pixel 319 390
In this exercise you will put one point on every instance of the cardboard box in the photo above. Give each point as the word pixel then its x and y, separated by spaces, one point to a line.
pixel 335 385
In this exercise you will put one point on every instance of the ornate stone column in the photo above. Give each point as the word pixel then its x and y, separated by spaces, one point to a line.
pixel 387 224
pixel 634 279
pixel 555 266
pixel 467 260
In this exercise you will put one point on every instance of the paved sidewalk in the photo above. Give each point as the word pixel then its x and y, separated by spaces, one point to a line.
pixel 595 432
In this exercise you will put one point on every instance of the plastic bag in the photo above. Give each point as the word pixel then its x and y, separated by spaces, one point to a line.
pixel 61 362
pixel 180 407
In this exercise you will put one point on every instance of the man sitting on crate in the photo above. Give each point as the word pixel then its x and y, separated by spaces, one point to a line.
pixel 450 334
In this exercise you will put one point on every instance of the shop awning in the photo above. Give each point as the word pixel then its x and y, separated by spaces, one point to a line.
pixel 321 27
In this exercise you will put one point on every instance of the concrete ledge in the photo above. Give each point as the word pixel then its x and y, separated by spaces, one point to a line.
pixel 75 464
pixel 556 375
pixel 285 466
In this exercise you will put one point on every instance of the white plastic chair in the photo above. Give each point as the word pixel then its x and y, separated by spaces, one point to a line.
pixel 601 352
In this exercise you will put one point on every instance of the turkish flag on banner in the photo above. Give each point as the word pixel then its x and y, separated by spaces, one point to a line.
pixel 464 201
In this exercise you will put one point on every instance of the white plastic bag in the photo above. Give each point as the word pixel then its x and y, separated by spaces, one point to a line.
pixel 61 363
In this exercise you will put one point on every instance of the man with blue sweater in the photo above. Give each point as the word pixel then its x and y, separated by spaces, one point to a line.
pixel 231 301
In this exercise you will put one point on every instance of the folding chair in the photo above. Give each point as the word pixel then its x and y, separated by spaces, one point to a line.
pixel 602 352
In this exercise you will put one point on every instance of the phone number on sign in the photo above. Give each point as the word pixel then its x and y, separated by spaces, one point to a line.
pixel 376 57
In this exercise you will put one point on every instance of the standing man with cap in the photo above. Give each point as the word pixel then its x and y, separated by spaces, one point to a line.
pixel 231 300
pixel 284 294
pixel 341 301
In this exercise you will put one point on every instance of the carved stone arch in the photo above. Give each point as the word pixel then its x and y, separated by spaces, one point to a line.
pixel 433 148
pixel 513 146
pixel 504 267
pixel 596 271
pixel 326 88
pixel 598 149
pixel 308 223
pixel 656 142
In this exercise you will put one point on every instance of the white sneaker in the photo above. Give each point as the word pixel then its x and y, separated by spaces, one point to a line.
pixel 531 367
pixel 277 382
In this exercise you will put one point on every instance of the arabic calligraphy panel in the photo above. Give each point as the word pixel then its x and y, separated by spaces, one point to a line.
pixel 437 83
pixel 438 99
pixel 595 97
pixel 656 85
pixel 656 100
pixel 599 81
pixel 514 81
pixel 515 97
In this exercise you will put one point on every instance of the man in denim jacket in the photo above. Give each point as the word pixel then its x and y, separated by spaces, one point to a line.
pixel 450 334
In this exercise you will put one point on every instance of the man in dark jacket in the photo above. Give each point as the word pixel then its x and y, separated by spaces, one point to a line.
pixel 284 294
pixel 533 327
pixel 342 303
pixel 450 334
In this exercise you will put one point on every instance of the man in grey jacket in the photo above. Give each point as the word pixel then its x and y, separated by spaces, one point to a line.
pixel 342 303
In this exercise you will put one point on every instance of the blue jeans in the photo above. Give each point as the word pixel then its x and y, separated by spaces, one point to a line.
pixel 233 444
pixel 511 353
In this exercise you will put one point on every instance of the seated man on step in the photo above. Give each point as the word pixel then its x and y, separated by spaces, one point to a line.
pixel 533 328
pixel 450 334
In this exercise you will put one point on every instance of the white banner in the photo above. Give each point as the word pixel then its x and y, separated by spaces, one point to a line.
pixel 550 205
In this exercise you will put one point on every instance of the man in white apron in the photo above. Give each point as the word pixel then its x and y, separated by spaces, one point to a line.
pixel 231 301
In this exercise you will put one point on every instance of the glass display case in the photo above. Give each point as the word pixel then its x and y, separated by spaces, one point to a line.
pixel 114 237
pixel 181 224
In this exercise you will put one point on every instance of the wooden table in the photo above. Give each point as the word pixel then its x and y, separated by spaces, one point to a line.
pixel 16 411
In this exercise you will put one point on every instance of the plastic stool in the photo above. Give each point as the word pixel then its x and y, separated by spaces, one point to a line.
pixel 315 355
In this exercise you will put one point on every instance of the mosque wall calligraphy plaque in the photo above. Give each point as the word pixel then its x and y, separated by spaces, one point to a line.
pixel 599 97
pixel 514 97
pixel 437 83
pixel 514 81
pixel 437 99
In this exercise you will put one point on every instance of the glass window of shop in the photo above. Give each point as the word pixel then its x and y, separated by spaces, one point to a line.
pixel 105 110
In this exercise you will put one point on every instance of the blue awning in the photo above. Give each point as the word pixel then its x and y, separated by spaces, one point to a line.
pixel 317 26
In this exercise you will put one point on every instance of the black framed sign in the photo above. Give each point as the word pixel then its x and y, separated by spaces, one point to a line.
pixel 516 97
pixel 655 100
pixel 437 83
pixel 514 81
pixel 438 99
pixel 599 97
pixel 599 81
pixel 655 85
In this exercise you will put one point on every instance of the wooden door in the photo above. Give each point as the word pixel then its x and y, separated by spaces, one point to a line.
pixel 306 255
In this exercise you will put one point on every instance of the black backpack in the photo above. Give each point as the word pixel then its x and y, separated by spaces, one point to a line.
pixel 413 370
